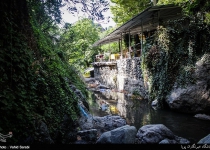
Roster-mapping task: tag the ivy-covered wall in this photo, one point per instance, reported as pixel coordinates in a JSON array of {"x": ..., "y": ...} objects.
[
  {"x": 169, "y": 57},
  {"x": 35, "y": 78}
]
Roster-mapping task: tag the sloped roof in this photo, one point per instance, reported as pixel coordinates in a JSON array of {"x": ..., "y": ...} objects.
[{"x": 147, "y": 18}]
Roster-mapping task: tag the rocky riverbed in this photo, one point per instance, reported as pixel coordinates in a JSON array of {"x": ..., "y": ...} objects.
[
  {"x": 114, "y": 129},
  {"x": 108, "y": 129}
]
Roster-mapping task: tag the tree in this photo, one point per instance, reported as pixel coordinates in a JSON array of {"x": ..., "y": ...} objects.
[
  {"x": 124, "y": 10},
  {"x": 35, "y": 75},
  {"x": 110, "y": 47},
  {"x": 93, "y": 8},
  {"x": 77, "y": 41},
  {"x": 192, "y": 7}
]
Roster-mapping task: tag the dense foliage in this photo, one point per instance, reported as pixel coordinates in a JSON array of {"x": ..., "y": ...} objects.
[
  {"x": 35, "y": 71},
  {"x": 199, "y": 8},
  {"x": 112, "y": 47},
  {"x": 124, "y": 10},
  {"x": 92, "y": 9},
  {"x": 77, "y": 41},
  {"x": 169, "y": 56}
]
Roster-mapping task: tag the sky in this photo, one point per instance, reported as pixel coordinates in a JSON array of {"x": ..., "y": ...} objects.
[{"x": 70, "y": 18}]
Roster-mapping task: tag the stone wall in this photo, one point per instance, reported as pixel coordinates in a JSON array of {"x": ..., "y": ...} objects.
[
  {"x": 105, "y": 73},
  {"x": 129, "y": 77},
  {"x": 123, "y": 75}
]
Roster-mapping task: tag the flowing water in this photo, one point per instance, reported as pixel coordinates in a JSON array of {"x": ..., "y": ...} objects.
[{"x": 138, "y": 113}]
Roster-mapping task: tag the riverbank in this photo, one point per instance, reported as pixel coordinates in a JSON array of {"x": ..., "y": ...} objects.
[{"x": 138, "y": 113}]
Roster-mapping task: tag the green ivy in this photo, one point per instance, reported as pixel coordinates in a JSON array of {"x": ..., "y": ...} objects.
[
  {"x": 169, "y": 56},
  {"x": 34, "y": 81}
]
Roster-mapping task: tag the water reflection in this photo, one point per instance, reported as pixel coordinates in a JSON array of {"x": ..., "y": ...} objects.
[{"x": 138, "y": 113}]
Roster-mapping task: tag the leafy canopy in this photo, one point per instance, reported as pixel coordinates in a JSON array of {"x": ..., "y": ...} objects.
[
  {"x": 123, "y": 10},
  {"x": 77, "y": 40}
]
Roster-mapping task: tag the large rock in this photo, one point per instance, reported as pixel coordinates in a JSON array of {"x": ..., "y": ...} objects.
[
  {"x": 122, "y": 135},
  {"x": 43, "y": 134},
  {"x": 194, "y": 98},
  {"x": 205, "y": 140},
  {"x": 158, "y": 134},
  {"x": 66, "y": 133},
  {"x": 40, "y": 136},
  {"x": 202, "y": 116},
  {"x": 102, "y": 124},
  {"x": 87, "y": 136},
  {"x": 108, "y": 123}
]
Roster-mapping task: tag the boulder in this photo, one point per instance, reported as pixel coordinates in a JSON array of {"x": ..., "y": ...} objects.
[
  {"x": 194, "y": 98},
  {"x": 205, "y": 140},
  {"x": 108, "y": 123},
  {"x": 66, "y": 133},
  {"x": 40, "y": 136},
  {"x": 158, "y": 134},
  {"x": 102, "y": 124},
  {"x": 202, "y": 116},
  {"x": 43, "y": 134},
  {"x": 87, "y": 136},
  {"x": 85, "y": 123},
  {"x": 167, "y": 141},
  {"x": 122, "y": 135},
  {"x": 177, "y": 140}
]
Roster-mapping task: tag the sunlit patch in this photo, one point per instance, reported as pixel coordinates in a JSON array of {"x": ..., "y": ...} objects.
[{"x": 113, "y": 109}]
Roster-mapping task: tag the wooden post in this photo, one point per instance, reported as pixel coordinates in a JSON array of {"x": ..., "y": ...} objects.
[
  {"x": 158, "y": 18},
  {"x": 121, "y": 47},
  {"x": 141, "y": 38},
  {"x": 109, "y": 44},
  {"x": 109, "y": 51},
  {"x": 129, "y": 45}
]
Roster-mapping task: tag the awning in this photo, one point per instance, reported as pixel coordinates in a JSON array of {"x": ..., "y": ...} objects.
[{"x": 149, "y": 19}]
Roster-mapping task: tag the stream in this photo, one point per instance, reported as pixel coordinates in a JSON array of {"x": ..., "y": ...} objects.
[{"x": 138, "y": 113}]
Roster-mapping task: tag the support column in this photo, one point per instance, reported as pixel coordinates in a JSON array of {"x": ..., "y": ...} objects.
[
  {"x": 109, "y": 51},
  {"x": 141, "y": 38},
  {"x": 158, "y": 18},
  {"x": 121, "y": 47},
  {"x": 129, "y": 45}
]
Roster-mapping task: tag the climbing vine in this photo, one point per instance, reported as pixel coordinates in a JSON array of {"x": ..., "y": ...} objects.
[
  {"x": 35, "y": 76},
  {"x": 169, "y": 56}
]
